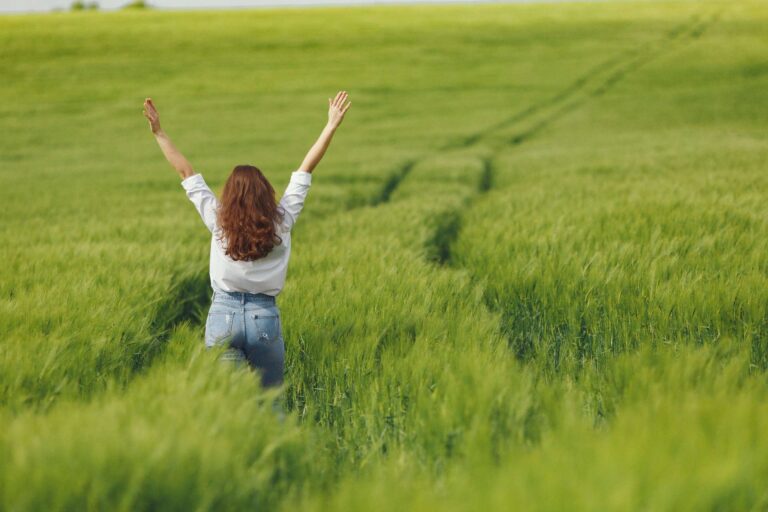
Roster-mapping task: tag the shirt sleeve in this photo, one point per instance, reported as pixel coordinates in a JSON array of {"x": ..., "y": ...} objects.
[
  {"x": 293, "y": 198},
  {"x": 203, "y": 198}
]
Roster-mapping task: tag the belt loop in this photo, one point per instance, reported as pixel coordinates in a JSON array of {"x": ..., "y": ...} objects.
[{"x": 242, "y": 298}]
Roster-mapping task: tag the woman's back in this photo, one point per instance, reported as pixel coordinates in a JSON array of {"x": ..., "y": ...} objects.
[{"x": 263, "y": 275}]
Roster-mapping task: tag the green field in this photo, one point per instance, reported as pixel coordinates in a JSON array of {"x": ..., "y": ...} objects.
[{"x": 532, "y": 272}]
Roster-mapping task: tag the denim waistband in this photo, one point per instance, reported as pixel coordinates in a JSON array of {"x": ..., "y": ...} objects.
[{"x": 244, "y": 297}]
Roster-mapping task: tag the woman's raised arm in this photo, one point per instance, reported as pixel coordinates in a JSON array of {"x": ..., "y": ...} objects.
[
  {"x": 337, "y": 107},
  {"x": 173, "y": 155}
]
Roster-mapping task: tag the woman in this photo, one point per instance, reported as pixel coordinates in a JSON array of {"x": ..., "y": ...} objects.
[{"x": 250, "y": 247}]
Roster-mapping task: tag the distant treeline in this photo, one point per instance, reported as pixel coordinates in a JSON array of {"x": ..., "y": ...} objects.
[{"x": 79, "y": 5}]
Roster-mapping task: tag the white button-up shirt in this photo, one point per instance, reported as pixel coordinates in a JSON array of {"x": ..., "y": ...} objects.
[{"x": 264, "y": 275}]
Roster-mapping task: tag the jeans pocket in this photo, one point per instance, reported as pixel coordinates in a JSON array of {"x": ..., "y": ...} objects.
[
  {"x": 218, "y": 327},
  {"x": 262, "y": 326}
]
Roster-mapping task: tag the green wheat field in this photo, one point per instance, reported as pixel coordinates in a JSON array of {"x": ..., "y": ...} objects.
[{"x": 531, "y": 274}]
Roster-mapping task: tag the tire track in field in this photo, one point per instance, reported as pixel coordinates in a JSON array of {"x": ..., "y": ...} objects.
[
  {"x": 607, "y": 73},
  {"x": 585, "y": 89},
  {"x": 393, "y": 182},
  {"x": 448, "y": 224},
  {"x": 397, "y": 176},
  {"x": 532, "y": 110},
  {"x": 681, "y": 35}
]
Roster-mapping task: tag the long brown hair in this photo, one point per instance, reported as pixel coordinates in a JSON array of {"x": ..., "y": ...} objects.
[{"x": 248, "y": 214}]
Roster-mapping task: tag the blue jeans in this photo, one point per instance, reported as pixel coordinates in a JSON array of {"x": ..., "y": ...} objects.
[{"x": 249, "y": 325}]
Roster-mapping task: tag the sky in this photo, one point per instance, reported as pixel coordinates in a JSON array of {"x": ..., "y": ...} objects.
[{"x": 20, "y": 6}]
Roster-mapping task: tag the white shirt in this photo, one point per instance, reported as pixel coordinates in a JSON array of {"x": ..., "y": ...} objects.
[{"x": 267, "y": 274}]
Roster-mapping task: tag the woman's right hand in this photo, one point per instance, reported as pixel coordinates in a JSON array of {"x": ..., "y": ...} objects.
[
  {"x": 337, "y": 107},
  {"x": 150, "y": 112}
]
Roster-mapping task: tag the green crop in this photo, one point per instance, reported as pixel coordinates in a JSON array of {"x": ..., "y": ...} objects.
[{"x": 532, "y": 272}]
